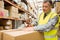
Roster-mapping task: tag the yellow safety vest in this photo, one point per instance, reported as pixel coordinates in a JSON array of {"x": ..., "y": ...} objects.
[
  {"x": 59, "y": 18},
  {"x": 51, "y": 35}
]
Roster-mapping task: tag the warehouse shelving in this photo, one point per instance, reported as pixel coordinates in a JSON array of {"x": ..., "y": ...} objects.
[
  {"x": 12, "y": 18},
  {"x": 19, "y": 7},
  {"x": 6, "y": 18}
]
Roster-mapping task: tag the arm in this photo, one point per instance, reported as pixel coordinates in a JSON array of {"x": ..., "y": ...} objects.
[
  {"x": 35, "y": 22},
  {"x": 48, "y": 26}
]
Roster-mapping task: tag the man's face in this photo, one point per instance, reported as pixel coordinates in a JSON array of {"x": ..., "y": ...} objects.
[{"x": 46, "y": 7}]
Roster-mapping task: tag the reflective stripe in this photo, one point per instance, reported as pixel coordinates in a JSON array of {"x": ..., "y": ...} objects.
[{"x": 50, "y": 36}]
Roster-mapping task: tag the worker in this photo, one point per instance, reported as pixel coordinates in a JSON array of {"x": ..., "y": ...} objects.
[
  {"x": 48, "y": 22},
  {"x": 59, "y": 19}
]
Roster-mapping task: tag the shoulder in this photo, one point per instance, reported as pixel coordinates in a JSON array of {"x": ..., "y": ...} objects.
[{"x": 54, "y": 14}]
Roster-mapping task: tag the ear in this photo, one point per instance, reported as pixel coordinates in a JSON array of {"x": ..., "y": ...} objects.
[{"x": 51, "y": 6}]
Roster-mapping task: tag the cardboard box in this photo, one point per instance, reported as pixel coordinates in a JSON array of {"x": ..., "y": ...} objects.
[
  {"x": 1, "y": 27},
  {"x": 1, "y": 4},
  {"x": 8, "y": 27},
  {"x": 1, "y": 35},
  {"x": 58, "y": 7},
  {"x": 1, "y": 32},
  {"x": 6, "y": 13},
  {"x": 17, "y": 16},
  {"x": 8, "y": 24},
  {"x": 1, "y": 12},
  {"x": 1, "y": 9},
  {"x": 22, "y": 35},
  {"x": 14, "y": 15},
  {"x": 12, "y": 11}
]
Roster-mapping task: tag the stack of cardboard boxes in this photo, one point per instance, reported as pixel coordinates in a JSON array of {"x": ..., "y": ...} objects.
[
  {"x": 3, "y": 12},
  {"x": 10, "y": 11}
]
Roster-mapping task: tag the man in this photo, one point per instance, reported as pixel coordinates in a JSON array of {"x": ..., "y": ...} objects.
[{"x": 48, "y": 22}]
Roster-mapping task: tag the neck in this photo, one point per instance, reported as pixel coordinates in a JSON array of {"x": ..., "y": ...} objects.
[{"x": 48, "y": 12}]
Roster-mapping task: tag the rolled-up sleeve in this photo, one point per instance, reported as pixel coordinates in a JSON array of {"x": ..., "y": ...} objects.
[{"x": 48, "y": 26}]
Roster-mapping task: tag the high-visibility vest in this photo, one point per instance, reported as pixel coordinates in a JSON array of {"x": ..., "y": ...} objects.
[
  {"x": 52, "y": 34},
  {"x": 59, "y": 18},
  {"x": 59, "y": 21}
]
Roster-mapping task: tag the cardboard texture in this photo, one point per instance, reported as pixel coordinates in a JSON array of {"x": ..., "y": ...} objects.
[
  {"x": 1, "y": 27},
  {"x": 23, "y": 35},
  {"x": 6, "y": 13},
  {"x": 1, "y": 12},
  {"x": 1, "y": 35},
  {"x": 1, "y": 4},
  {"x": 58, "y": 7},
  {"x": 1, "y": 9},
  {"x": 12, "y": 10},
  {"x": 1, "y": 32}
]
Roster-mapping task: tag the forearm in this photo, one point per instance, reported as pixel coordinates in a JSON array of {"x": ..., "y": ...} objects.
[{"x": 48, "y": 26}]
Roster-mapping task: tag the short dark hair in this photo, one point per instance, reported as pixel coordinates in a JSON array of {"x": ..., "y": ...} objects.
[{"x": 49, "y": 2}]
